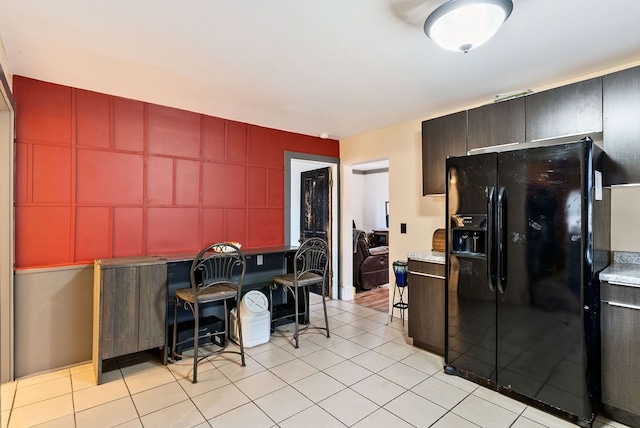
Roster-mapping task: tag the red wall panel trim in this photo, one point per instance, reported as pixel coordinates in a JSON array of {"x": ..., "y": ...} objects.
[
  {"x": 109, "y": 177},
  {"x": 258, "y": 188},
  {"x": 159, "y": 183},
  {"x": 92, "y": 119},
  {"x": 51, "y": 174},
  {"x": 103, "y": 176},
  {"x": 172, "y": 230},
  {"x": 42, "y": 236},
  {"x": 173, "y": 132},
  {"x": 44, "y": 111},
  {"x": 93, "y": 226},
  {"x": 265, "y": 227},
  {"x": 213, "y": 226},
  {"x": 128, "y": 125},
  {"x": 213, "y": 138},
  {"x": 127, "y": 232},
  {"x": 224, "y": 185},
  {"x": 187, "y": 182}
]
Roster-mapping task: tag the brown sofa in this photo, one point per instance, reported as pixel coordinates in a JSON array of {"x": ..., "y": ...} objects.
[{"x": 370, "y": 265}]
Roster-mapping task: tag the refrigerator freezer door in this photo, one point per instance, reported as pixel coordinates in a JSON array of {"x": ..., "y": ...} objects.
[
  {"x": 471, "y": 304},
  {"x": 540, "y": 322}
]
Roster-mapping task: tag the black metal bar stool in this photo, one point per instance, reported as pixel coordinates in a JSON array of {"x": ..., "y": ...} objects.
[
  {"x": 217, "y": 274},
  {"x": 311, "y": 264}
]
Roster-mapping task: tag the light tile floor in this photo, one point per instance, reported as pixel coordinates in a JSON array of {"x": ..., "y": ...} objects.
[{"x": 366, "y": 375}]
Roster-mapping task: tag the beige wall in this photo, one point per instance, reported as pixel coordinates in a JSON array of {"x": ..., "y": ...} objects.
[
  {"x": 401, "y": 145},
  {"x": 53, "y": 318},
  {"x": 625, "y": 209}
]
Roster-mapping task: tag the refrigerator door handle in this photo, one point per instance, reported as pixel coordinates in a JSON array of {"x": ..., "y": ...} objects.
[
  {"x": 501, "y": 256},
  {"x": 491, "y": 273}
]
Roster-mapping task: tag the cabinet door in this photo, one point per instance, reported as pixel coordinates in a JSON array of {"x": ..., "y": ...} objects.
[
  {"x": 152, "y": 306},
  {"x": 620, "y": 362},
  {"x": 441, "y": 137},
  {"x": 495, "y": 124},
  {"x": 119, "y": 324},
  {"x": 568, "y": 110},
  {"x": 426, "y": 306},
  {"x": 621, "y": 111}
]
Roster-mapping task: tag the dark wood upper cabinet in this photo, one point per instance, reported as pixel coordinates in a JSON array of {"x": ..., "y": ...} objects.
[
  {"x": 495, "y": 124},
  {"x": 441, "y": 137},
  {"x": 568, "y": 110},
  {"x": 621, "y": 112}
]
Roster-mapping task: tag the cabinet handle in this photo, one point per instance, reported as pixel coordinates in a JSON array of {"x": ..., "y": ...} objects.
[
  {"x": 624, "y": 284},
  {"x": 426, "y": 274},
  {"x": 624, "y": 305}
]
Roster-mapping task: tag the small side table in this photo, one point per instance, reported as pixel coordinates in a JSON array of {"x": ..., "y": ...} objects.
[{"x": 400, "y": 271}]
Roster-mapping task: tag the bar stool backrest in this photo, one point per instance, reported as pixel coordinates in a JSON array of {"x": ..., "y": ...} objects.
[
  {"x": 221, "y": 263},
  {"x": 313, "y": 257}
]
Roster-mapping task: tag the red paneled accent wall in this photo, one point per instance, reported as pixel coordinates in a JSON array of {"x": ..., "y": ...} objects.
[{"x": 101, "y": 176}]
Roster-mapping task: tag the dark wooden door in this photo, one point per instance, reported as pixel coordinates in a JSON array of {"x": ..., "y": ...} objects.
[
  {"x": 315, "y": 208},
  {"x": 315, "y": 201}
]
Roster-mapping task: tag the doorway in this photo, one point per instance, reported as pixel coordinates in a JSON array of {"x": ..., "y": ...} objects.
[
  {"x": 295, "y": 165},
  {"x": 370, "y": 210}
]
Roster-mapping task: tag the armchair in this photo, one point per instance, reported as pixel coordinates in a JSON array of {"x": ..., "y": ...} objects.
[{"x": 370, "y": 265}]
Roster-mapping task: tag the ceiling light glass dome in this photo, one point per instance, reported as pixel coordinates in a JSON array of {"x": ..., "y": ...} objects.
[{"x": 461, "y": 25}]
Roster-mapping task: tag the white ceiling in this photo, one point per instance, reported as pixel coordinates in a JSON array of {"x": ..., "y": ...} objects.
[
  {"x": 340, "y": 67},
  {"x": 372, "y": 166}
]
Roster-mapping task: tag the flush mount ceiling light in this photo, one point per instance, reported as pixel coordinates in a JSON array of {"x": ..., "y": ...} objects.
[{"x": 461, "y": 25}]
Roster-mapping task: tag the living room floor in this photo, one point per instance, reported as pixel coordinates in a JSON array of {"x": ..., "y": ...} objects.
[
  {"x": 366, "y": 375},
  {"x": 376, "y": 298}
]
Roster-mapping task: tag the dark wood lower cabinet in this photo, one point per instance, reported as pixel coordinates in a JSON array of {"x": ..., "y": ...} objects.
[
  {"x": 426, "y": 305},
  {"x": 129, "y": 307},
  {"x": 620, "y": 324}
]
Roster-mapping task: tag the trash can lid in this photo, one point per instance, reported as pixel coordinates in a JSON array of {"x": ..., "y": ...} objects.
[{"x": 255, "y": 302}]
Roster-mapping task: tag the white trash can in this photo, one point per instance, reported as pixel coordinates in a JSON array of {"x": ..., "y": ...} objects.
[{"x": 255, "y": 319}]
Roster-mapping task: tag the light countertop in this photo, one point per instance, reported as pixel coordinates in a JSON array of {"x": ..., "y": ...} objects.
[
  {"x": 427, "y": 256},
  {"x": 625, "y": 269}
]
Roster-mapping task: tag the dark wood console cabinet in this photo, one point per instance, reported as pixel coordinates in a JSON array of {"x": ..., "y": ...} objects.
[
  {"x": 426, "y": 305},
  {"x": 129, "y": 315}
]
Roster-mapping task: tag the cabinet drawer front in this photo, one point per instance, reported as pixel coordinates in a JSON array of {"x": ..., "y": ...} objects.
[
  {"x": 435, "y": 269},
  {"x": 620, "y": 293}
]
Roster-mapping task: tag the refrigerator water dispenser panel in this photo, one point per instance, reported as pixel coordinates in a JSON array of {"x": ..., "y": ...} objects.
[{"x": 469, "y": 234}]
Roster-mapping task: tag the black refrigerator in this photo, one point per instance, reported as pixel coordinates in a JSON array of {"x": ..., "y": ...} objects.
[{"x": 527, "y": 234}]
